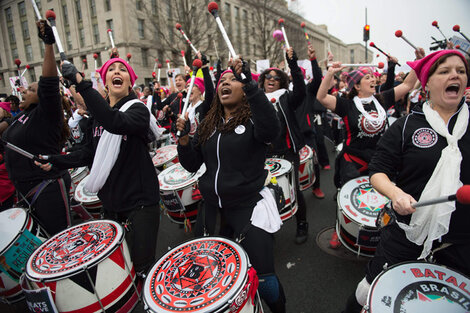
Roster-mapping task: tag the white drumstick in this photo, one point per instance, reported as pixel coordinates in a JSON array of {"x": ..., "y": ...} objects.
[{"x": 281, "y": 23}]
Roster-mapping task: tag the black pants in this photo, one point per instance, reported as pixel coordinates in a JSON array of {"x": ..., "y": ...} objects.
[
  {"x": 141, "y": 235},
  {"x": 49, "y": 207},
  {"x": 322, "y": 153}
]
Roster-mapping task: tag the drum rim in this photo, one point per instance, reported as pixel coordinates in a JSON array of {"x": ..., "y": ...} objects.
[
  {"x": 20, "y": 232},
  {"x": 235, "y": 288},
  {"x": 196, "y": 175},
  {"x": 82, "y": 183},
  {"x": 80, "y": 170},
  {"x": 375, "y": 281},
  {"x": 94, "y": 262},
  {"x": 175, "y": 147}
]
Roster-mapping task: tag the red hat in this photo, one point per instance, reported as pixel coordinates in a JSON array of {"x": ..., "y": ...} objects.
[
  {"x": 422, "y": 67},
  {"x": 5, "y": 106},
  {"x": 199, "y": 82},
  {"x": 108, "y": 63}
]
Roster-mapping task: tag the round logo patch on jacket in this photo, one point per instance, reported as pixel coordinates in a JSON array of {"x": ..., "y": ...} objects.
[
  {"x": 240, "y": 129},
  {"x": 424, "y": 137}
]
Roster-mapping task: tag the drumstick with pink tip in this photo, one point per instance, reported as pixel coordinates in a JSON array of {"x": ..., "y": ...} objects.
[
  {"x": 302, "y": 25},
  {"x": 281, "y": 23},
  {"x": 197, "y": 64},
  {"x": 25, "y": 69},
  {"x": 435, "y": 24},
  {"x": 50, "y": 16},
  {"x": 159, "y": 71},
  {"x": 459, "y": 48},
  {"x": 83, "y": 65},
  {"x": 95, "y": 57},
  {"x": 184, "y": 59},
  {"x": 155, "y": 65},
  {"x": 399, "y": 34},
  {"x": 456, "y": 28},
  {"x": 18, "y": 63},
  {"x": 180, "y": 28},
  {"x": 462, "y": 196},
  {"x": 168, "y": 64},
  {"x": 381, "y": 51},
  {"x": 129, "y": 56},
  {"x": 36, "y": 10}
]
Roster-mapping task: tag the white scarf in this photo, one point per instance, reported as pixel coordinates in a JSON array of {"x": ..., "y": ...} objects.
[
  {"x": 431, "y": 222},
  {"x": 376, "y": 121},
  {"x": 276, "y": 95},
  {"x": 107, "y": 152}
]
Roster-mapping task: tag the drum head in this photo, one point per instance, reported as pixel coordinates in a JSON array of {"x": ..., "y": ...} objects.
[
  {"x": 84, "y": 195},
  {"x": 200, "y": 275},
  {"x": 74, "y": 249},
  {"x": 419, "y": 287},
  {"x": 305, "y": 153},
  {"x": 12, "y": 222},
  {"x": 164, "y": 154},
  {"x": 176, "y": 177},
  {"x": 278, "y": 167},
  {"x": 360, "y": 201},
  {"x": 74, "y": 172}
]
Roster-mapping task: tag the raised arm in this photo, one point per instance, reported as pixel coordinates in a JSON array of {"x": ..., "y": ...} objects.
[
  {"x": 402, "y": 89},
  {"x": 328, "y": 101}
]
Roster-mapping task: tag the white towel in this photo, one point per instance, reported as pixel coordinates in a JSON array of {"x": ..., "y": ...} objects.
[{"x": 265, "y": 214}]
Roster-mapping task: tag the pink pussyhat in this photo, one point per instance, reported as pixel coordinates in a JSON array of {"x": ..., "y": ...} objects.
[
  {"x": 422, "y": 67},
  {"x": 199, "y": 82},
  {"x": 5, "y": 106},
  {"x": 108, "y": 63}
]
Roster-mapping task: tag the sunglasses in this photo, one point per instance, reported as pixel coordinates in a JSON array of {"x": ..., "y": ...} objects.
[{"x": 276, "y": 78}]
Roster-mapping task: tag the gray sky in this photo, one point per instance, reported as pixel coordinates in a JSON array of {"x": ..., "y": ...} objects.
[{"x": 346, "y": 18}]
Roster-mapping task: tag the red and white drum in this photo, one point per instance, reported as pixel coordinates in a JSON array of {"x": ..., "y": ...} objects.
[
  {"x": 306, "y": 172},
  {"x": 87, "y": 269},
  {"x": 282, "y": 170},
  {"x": 77, "y": 175},
  {"x": 209, "y": 274},
  {"x": 20, "y": 235},
  {"x": 419, "y": 287},
  {"x": 89, "y": 200},
  {"x": 165, "y": 156},
  {"x": 358, "y": 206},
  {"x": 177, "y": 192}
]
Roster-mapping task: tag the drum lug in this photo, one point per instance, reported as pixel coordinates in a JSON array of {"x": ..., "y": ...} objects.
[{"x": 385, "y": 267}]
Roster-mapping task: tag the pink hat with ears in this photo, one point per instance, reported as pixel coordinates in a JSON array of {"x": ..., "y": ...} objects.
[
  {"x": 108, "y": 63},
  {"x": 422, "y": 67},
  {"x": 199, "y": 82},
  {"x": 6, "y": 106}
]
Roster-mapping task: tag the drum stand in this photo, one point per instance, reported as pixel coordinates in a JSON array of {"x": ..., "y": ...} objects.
[{"x": 94, "y": 289}]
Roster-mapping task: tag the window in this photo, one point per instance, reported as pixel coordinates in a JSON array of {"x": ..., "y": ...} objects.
[
  {"x": 109, "y": 24},
  {"x": 139, "y": 5},
  {"x": 245, "y": 19},
  {"x": 81, "y": 34},
  {"x": 8, "y": 15},
  {"x": 14, "y": 53},
  {"x": 29, "y": 52},
  {"x": 78, "y": 10},
  {"x": 92, "y": 8},
  {"x": 11, "y": 35},
  {"x": 154, "y": 7},
  {"x": 236, "y": 26},
  {"x": 145, "y": 61},
  {"x": 107, "y": 5},
  {"x": 24, "y": 27},
  {"x": 2, "y": 80},
  {"x": 171, "y": 33},
  {"x": 22, "y": 8},
  {"x": 65, "y": 13},
  {"x": 351, "y": 53},
  {"x": 228, "y": 18},
  {"x": 32, "y": 74},
  {"x": 68, "y": 39},
  {"x": 96, "y": 34},
  {"x": 140, "y": 28},
  {"x": 168, "y": 8}
]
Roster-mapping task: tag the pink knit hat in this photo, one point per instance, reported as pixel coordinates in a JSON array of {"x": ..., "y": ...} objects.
[
  {"x": 199, "y": 82},
  {"x": 422, "y": 67},
  {"x": 5, "y": 106},
  {"x": 223, "y": 73},
  {"x": 108, "y": 63}
]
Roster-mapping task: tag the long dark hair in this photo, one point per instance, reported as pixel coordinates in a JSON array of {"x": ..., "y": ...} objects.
[{"x": 213, "y": 119}]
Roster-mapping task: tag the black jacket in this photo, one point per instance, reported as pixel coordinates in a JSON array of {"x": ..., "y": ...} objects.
[
  {"x": 235, "y": 160},
  {"x": 133, "y": 181}
]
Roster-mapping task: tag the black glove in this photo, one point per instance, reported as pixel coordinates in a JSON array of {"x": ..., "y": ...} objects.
[
  {"x": 69, "y": 71},
  {"x": 170, "y": 74},
  {"x": 294, "y": 57},
  {"x": 66, "y": 83},
  {"x": 48, "y": 35},
  {"x": 185, "y": 131},
  {"x": 204, "y": 59},
  {"x": 245, "y": 76}
]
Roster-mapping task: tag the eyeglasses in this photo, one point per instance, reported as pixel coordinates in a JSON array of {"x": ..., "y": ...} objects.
[{"x": 269, "y": 76}]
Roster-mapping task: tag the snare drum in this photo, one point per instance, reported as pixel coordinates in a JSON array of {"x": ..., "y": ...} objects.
[
  {"x": 282, "y": 170},
  {"x": 419, "y": 287},
  {"x": 89, "y": 200},
  {"x": 209, "y": 274},
  {"x": 306, "y": 172},
  {"x": 358, "y": 206},
  {"x": 77, "y": 175},
  {"x": 165, "y": 157},
  {"x": 20, "y": 235},
  {"x": 176, "y": 192},
  {"x": 87, "y": 268}
]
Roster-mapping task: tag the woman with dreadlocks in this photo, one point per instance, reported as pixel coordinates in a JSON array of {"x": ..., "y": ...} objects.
[{"x": 232, "y": 142}]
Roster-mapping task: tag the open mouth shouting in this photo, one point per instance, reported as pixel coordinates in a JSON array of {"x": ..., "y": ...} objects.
[
  {"x": 225, "y": 92},
  {"x": 117, "y": 82}
]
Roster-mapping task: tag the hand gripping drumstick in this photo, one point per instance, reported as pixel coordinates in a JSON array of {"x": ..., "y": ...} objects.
[
  {"x": 23, "y": 152},
  {"x": 462, "y": 196},
  {"x": 180, "y": 28},
  {"x": 456, "y": 28},
  {"x": 379, "y": 65},
  {"x": 110, "y": 33},
  {"x": 184, "y": 59},
  {"x": 36, "y": 10},
  {"x": 380, "y": 50},
  {"x": 197, "y": 64},
  {"x": 95, "y": 56},
  {"x": 281, "y": 23},
  {"x": 435, "y": 24},
  {"x": 302, "y": 25},
  {"x": 50, "y": 15},
  {"x": 399, "y": 34}
]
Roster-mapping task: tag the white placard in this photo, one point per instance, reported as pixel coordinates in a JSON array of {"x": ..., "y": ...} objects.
[
  {"x": 262, "y": 65},
  {"x": 464, "y": 45}
]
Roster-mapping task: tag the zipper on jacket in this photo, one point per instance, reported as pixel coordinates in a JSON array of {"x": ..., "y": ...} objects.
[
  {"x": 288, "y": 128},
  {"x": 218, "y": 169}
]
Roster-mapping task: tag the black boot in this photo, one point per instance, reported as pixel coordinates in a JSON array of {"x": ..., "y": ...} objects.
[
  {"x": 302, "y": 232},
  {"x": 352, "y": 306}
]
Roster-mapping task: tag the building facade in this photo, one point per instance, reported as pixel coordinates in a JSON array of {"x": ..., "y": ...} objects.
[{"x": 145, "y": 29}]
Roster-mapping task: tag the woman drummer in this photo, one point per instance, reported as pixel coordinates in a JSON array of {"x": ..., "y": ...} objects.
[
  {"x": 426, "y": 155},
  {"x": 122, "y": 171},
  {"x": 232, "y": 142}
]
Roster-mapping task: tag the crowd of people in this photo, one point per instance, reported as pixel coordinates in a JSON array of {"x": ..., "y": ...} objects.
[{"x": 409, "y": 134}]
